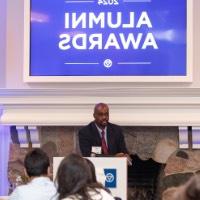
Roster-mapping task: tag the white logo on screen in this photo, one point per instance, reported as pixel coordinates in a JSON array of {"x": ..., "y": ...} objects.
[
  {"x": 109, "y": 178},
  {"x": 107, "y": 63}
]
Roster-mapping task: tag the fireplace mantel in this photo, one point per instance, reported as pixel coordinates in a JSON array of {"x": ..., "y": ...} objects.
[{"x": 74, "y": 107}]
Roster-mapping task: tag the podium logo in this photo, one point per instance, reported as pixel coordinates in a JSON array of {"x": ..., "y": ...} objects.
[{"x": 111, "y": 178}]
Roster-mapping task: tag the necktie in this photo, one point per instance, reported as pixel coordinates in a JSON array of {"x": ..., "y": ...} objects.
[{"x": 103, "y": 143}]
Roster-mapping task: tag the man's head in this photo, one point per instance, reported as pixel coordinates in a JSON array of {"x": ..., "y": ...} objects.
[
  {"x": 101, "y": 115},
  {"x": 36, "y": 163}
]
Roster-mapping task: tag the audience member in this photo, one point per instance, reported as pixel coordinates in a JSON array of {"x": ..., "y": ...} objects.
[
  {"x": 75, "y": 181},
  {"x": 40, "y": 187},
  {"x": 92, "y": 170}
]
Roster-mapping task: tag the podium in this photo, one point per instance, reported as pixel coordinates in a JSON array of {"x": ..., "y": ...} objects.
[{"x": 110, "y": 171}]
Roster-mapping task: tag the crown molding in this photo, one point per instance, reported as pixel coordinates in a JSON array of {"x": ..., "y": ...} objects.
[
  {"x": 115, "y": 90},
  {"x": 128, "y": 106}
]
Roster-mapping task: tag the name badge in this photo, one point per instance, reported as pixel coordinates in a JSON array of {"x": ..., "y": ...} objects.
[{"x": 96, "y": 150}]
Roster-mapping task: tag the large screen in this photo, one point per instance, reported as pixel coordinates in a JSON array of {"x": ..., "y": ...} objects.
[{"x": 108, "y": 39}]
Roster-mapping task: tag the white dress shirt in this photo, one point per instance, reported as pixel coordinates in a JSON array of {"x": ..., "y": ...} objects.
[
  {"x": 100, "y": 133},
  {"x": 41, "y": 188}
]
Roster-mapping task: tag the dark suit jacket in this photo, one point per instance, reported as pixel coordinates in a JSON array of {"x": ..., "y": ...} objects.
[{"x": 89, "y": 136}]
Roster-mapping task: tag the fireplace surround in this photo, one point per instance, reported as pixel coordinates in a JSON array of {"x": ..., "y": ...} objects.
[{"x": 156, "y": 124}]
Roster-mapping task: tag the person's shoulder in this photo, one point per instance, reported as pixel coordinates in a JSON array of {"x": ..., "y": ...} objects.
[
  {"x": 33, "y": 191},
  {"x": 105, "y": 195},
  {"x": 20, "y": 192},
  {"x": 115, "y": 127},
  {"x": 22, "y": 188},
  {"x": 87, "y": 127},
  {"x": 52, "y": 187}
]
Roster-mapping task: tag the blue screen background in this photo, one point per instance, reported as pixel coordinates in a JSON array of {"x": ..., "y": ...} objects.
[{"x": 169, "y": 19}]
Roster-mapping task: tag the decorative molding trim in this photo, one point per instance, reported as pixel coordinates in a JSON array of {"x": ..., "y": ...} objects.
[
  {"x": 183, "y": 137},
  {"x": 196, "y": 137},
  {"x": 128, "y": 106},
  {"x": 34, "y": 136},
  {"x": 22, "y": 136},
  {"x": 108, "y": 90}
]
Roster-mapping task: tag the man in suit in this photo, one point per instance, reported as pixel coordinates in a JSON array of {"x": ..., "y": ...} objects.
[{"x": 102, "y": 137}]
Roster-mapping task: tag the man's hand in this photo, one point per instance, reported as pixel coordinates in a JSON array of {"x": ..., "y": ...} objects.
[{"x": 120, "y": 155}]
